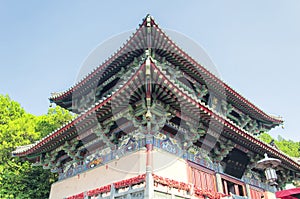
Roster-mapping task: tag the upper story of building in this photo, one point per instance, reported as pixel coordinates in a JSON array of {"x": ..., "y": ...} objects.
[{"x": 149, "y": 40}]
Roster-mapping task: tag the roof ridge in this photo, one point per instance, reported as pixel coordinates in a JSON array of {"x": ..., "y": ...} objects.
[
  {"x": 149, "y": 21},
  {"x": 219, "y": 80},
  {"x": 99, "y": 67}
]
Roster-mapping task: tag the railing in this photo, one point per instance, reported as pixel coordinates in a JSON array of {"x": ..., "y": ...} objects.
[
  {"x": 163, "y": 144},
  {"x": 134, "y": 188},
  {"x": 238, "y": 197},
  {"x": 79, "y": 167},
  {"x": 130, "y": 188}
]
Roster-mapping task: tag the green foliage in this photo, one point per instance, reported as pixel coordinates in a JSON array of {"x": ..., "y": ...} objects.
[
  {"x": 18, "y": 179},
  {"x": 17, "y": 132},
  {"x": 54, "y": 119},
  {"x": 289, "y": 147},
  {"x": 265, "y": 137},
  {"x": 9, "y": 110}
]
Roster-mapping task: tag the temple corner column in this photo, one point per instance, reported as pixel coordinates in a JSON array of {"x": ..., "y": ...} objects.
[{"x": 149, "y": 190}]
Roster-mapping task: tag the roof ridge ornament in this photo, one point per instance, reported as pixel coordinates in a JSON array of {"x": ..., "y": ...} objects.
[{"x": 148, "y": 20}]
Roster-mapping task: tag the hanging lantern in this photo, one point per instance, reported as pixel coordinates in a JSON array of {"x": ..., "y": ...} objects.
[
  {"x": 268, "y": 164},
  {"x": 271, "y": 176}
]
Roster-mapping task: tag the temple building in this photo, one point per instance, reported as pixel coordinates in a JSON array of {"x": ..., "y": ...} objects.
[{"x": 152, "y": 122}]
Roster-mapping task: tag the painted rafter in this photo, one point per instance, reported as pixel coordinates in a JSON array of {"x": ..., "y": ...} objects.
[
  {"x": 159, "y": 40},
  {"x": 185, "y": 98},
  {"x": 231, "y": 126}
]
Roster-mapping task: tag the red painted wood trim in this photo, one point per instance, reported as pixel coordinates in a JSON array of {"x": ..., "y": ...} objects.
[{"x": 206, "y": 110}]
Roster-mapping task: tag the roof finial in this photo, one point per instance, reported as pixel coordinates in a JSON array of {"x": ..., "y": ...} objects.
[{"x": 148, "y": 19}]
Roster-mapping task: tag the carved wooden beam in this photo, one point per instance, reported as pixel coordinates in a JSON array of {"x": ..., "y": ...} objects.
[
  {"x": 244, "y": 120},
  {"x": 201, "y": 92},
  {"x": 101, "y": 131},
  {"x": 193, "y": 135},
  {"x": 226, "y": 107},
  {"x": 71, "y": 150},
  {"x": 223, "y": 150},
  {"x": 253, "y": 159}
]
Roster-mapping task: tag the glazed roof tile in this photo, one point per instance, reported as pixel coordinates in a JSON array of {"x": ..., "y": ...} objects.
[
  {"x": 230, "y": 92},
  {"x": 168, "y": 82}
]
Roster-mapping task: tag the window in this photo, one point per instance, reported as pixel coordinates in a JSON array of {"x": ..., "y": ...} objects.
[
  {"x": 257, "y": 193},
  {"x": 233, "y": 186},
  {"x": 203, "y": 178}
]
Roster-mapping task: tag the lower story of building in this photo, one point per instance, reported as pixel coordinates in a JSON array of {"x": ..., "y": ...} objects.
[{"x": 157, "y": 174}]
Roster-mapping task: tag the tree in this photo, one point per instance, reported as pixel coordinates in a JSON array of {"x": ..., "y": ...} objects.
[
  {"x": 18, "y": 132},
  {"x": 54, "y": 119},
  {"x": 289, "y": 147},
  {"x": 9, "y": 110},
  {"x": 265, "y": 137},
  {"x": 18, "y": 179}
]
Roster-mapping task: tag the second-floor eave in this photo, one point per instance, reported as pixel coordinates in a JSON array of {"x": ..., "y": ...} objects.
[{"x": 63, "y": 132}]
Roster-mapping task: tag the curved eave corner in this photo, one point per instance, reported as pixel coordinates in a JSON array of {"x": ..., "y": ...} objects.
[
  {"x": 204, "y": 70},
  {"x": 149, "y": 20},
  {"x": 31, "y": 149},
  {"x": 234, "y": 128},
  {"x": 60, "y": 95}
]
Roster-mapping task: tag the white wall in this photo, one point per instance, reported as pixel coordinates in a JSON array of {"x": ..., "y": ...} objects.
[{"x": 124, "y": 168}]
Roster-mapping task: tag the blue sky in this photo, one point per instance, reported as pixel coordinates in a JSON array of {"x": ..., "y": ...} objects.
[{"x": 255, "y": 46}]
